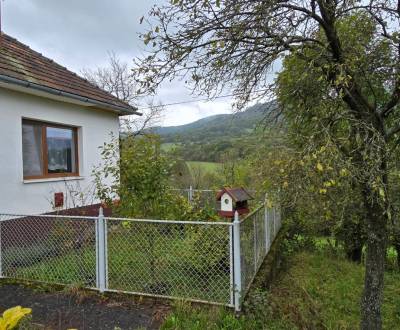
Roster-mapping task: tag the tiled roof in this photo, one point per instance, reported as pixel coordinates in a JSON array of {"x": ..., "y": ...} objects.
[
  {"x": 21, "y": 63},
  {"x": 237, "y": 194}
]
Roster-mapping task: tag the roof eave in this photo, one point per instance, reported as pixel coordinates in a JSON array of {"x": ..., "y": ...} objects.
[
  {"x": 229, "y": 192},
  {"x": 122, "y": 111}
]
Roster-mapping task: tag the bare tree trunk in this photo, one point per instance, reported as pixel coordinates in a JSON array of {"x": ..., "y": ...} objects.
[{"x": 371, "y": 318}]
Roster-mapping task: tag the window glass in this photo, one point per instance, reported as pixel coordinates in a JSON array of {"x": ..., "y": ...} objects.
[
  {"x": 60, "y": 150},
  {"x": 32, "y": 149}
]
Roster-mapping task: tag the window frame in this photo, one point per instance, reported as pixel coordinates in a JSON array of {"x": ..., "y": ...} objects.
[{"x": 46, "y": 175}]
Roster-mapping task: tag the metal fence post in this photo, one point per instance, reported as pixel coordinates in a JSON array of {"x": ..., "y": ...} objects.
[
  {"x": 274, "y": 211},
  {"x": 101, "y": 252},
  {"x": 279, "y": 218},
  {"x": 237, "y": 271},
  {"x": 231, "y": 269},
  {"x": 190, "y": 193},
  {"x": 255, "y": 242},
  {"x": 266, "y": 228}
]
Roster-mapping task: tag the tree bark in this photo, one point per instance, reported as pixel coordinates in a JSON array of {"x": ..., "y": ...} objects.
[{"x": 371, "y": 318}]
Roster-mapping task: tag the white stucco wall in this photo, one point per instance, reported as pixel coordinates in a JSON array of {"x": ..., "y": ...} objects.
[
  {"x": 94, "y": 128},
  {"x": 225, "y": 206}
]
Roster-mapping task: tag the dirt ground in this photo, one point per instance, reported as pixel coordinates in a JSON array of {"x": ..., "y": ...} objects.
[{"x": 75, "y": 309}]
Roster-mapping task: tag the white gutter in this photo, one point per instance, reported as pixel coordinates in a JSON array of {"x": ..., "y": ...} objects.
[{"x": 103, "y": 105}]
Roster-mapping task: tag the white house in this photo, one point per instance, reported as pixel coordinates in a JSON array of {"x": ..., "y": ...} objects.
[{"x": 52, "y": 123}]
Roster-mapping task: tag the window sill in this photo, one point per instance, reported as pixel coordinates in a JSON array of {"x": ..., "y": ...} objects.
[{"x": 59, "y": 179}]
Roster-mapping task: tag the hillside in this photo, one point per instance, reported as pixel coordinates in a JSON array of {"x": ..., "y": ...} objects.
[{"x": 217, "y": 126}]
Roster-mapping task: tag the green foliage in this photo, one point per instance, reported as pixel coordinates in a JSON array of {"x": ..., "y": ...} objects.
[
  {"x": 319, "y": 116},
  {"x": 312, "y": 185},
  {"x": 347, "y": 152},
  {"x": 135, "y": 171}
]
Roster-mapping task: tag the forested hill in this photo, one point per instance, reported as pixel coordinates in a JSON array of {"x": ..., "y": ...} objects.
[{"x": 217, "y": 126}]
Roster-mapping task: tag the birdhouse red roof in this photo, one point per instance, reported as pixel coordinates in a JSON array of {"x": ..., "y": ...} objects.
[{"x": 237, "y": 194}]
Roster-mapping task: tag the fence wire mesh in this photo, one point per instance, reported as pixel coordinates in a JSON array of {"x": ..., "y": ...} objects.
[
  {"x": 49, "y": 249},
  {"x": 204, "y": 197},
  {"x": 179, "y": 260},
  {"x": 257, "y": 232},
  {"x": 176, "y": 259}
]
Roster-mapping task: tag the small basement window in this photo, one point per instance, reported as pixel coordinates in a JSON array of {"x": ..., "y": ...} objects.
[{"x": 49, "y": 150}]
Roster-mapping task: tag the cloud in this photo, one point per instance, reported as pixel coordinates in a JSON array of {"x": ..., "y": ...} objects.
[
  {"x": 75, "y": 32},
  {"x": 79, "y": 34}
]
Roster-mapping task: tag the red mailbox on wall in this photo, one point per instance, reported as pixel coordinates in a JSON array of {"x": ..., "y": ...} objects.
[{"x": 58, "y": 199}]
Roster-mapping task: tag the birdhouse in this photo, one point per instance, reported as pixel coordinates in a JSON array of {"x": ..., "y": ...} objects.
[{"x": 232, "y": 200}]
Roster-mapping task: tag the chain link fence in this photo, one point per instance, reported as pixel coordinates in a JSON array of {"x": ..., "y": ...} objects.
[
  {"x": 212, "y": 262},
  {"x": 257, "y": 232},
  {"x": 48, "y": 249},
  {"x": 205, "y": 197}
]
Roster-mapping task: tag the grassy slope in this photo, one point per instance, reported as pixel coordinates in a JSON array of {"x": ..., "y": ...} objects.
[
  {"x": 316, "y": 292},
  {"x": 325, "y": 292},
  {"x": 204, "y": 166}
]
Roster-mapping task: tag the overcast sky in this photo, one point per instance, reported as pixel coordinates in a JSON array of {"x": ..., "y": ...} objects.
[{"x": 79, "y": 34}]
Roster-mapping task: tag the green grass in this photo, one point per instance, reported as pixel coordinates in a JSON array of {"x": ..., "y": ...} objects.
[
  {"x": 203, "y": 166},
  {"x": 186, "y": 317},
  {"x": 316, "y": 292}
]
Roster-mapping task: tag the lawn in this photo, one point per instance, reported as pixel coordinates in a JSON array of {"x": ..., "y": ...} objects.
[{"x": 317, "y": 291}]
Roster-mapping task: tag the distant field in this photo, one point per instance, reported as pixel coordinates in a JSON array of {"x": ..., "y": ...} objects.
[
  {"x": 168, "y": 146},
  {"x": 204, "y": 166}
]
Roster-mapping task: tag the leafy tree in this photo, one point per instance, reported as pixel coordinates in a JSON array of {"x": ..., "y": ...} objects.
[
  {"x": 134, "y": 178},
  {"x": 316, "y": 192},
  {"x": 233, "y": 44},
  {"x": 137, "y": 173}
]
